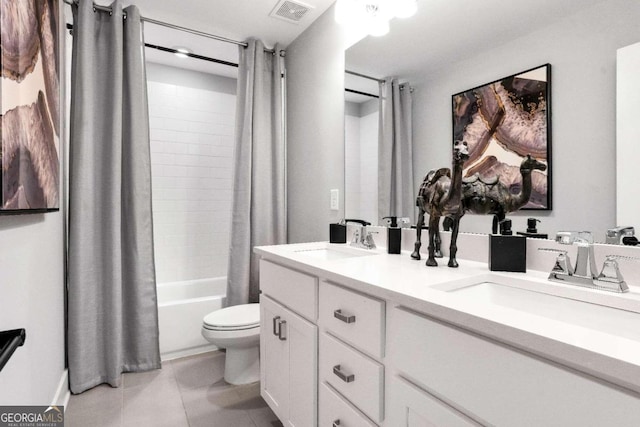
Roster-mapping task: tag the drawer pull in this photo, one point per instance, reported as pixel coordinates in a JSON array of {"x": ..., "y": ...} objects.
[
  {"x": 346, "y": 319},
  {"x": 276, "y": 324},
  {"x": 344, "y": 377},
  {"x": 281, "y": 335},
  {"x": 336, "y": 423}
]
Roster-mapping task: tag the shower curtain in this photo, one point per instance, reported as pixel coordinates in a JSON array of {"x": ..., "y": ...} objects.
[
  {"x": 259, "y": 204},
  {"x": 396, "y": 195},
  {"x": 112, "y": 310}
]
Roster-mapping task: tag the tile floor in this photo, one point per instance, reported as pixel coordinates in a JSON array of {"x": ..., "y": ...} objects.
[{"x": 187, "y": 392}]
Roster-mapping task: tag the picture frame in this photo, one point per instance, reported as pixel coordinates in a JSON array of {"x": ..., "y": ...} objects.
[
  {"x": 502, "y": 122},
  {"x": 31, "y": 110}
]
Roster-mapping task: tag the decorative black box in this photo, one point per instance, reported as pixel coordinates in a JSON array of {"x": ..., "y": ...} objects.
[
  {"x": 337, "y": 233},
  {"x": 508, "y": 253}
]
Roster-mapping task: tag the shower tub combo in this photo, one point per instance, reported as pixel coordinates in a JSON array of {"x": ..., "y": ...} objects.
[{"x": 181, "y": 308}]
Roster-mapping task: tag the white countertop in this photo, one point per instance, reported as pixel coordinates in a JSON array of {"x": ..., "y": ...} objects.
[{"x": 409, "y": 283}]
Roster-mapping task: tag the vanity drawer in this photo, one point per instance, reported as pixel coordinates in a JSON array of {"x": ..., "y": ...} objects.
[
  {"x": 357, "y": 377},
  {"x": 295, "y": 290},
  {"x": 354, "y": 317},
  {"x": 335, "y": 411},
  {"x": 496, "y": 384}
]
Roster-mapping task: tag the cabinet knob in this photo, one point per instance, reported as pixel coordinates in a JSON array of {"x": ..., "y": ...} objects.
[
  {"x": 345, "y": 318},
  {"x": 336, "y": 423},
  {"x": 347, "y": 378}
]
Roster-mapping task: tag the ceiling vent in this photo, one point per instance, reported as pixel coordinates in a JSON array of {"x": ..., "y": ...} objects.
[{"x": 290, "y": 11}]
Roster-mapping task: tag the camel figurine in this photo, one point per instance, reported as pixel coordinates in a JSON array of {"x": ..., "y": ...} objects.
[
  {"x": 485, "y": 197},
  {"x": 491, "y": 197},
  {"x": 440, "y": 195}
]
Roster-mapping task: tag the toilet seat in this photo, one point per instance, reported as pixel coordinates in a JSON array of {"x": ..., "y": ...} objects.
[{"x": 235, "y": 318}]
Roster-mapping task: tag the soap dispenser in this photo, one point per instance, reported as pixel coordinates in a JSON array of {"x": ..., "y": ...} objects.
[
  {"x": 394, "y": 235},
  {"x": 532, "y": 230}
]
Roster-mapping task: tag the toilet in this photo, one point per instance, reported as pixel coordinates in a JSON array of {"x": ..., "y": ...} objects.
[{"x": 237, "y": 329}]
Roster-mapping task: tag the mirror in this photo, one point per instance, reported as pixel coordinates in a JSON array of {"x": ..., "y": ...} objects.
[
  {"x": 447, "y": 48},
  {"x": 361, "y": 148},
  {"x": 628, "y": 135}
]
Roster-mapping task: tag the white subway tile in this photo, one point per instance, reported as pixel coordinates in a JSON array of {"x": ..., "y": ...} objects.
[
  {"x": 227, "y": 140},
  {"x": 176, "y": 147},
  {"x": 176, "y": 171},
  {"x": 192, "y": 145},
  {"x": 208, "y": 139},
  {"x": 224, "y": 173}
]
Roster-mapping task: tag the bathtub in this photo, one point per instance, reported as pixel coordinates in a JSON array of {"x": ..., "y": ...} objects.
[{"x": 181, "y": 308}]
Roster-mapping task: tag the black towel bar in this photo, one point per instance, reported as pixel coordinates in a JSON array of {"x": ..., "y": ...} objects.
[{"x": 9, "y": 342}]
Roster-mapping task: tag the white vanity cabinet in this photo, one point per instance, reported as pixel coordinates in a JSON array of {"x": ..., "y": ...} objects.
[
  {"x": 288, "y": 344},
  {"x": 337, "y": 351},
  {"x": 494, "y": 384}
]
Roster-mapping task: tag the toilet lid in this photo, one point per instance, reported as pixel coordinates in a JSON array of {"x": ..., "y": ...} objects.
[{"x": 237, "y": 317}]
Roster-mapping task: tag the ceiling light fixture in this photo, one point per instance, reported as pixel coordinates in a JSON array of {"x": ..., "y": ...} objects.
[
  {"x": 373, "y": 16},
  {"x": 181, "y": 52}
]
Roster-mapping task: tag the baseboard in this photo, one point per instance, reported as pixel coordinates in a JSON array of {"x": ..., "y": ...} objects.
[
  {"x": 188, "y": 352},
  {"x": 61, "y": 398}
]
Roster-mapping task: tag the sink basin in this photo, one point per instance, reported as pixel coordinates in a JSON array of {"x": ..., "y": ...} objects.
[
  {"x": 612, "y": 314},
  {"x": 334, "y": 253}
]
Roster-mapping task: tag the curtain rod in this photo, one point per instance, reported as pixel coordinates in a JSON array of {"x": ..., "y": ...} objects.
[
  {"x": 191, "y": 55},
  {"x": 353, "y": 73},
  {"x": 170, "y": 50},
  {"x": 176, "y": 27},
  {"x": 357, "y": 92}
]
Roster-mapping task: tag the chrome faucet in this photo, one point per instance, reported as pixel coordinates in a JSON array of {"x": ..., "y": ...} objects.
[
  {"x": 363, "y": 238},
  {"x": 616, "y": 235},
  {"x": 585, "y": 272}
]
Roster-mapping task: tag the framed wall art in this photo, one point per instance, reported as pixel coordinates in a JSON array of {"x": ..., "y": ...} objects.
[
  {"x": 503, "y": 122},
  {"x": 30, "y": 89}
]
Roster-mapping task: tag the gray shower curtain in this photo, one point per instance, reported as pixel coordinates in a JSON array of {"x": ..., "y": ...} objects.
[
  {"x": 396, "y": 195},
  {"x": 259, "y": 204},
  {"x": 112, "y": 310}
]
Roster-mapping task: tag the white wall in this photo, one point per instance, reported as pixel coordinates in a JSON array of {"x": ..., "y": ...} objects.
[
  {"x": 582, "y": 52},
  {"x": 192, "y": 120},
  {"x": 32, "y": 297},
  {"x": 32, "y": 292},
  {"x": 315, "y": 128}
]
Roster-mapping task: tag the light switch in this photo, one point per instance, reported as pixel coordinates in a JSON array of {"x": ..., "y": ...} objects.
[{"x": 335, "y": 199}]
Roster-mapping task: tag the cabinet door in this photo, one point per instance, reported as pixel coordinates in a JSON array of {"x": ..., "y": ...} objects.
[
  {"x": 274, "y": 359},
  {"x": 412, "y": 407},
  {"x": 288, "y": 370},
  {"x": 303, "y": 370}
]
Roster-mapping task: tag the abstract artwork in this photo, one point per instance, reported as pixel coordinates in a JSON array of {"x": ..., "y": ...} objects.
[
  {"x": 503, "y": 122},
  {"x": 30, "y": 130}
]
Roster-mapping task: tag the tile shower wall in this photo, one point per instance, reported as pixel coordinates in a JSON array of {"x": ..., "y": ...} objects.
[
  {"x": 192, "y": 128},
  {"x": 361, "y": 161}
]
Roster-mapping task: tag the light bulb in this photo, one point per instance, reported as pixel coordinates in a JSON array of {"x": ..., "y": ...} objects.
[{"x": 181, "y": 52}]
